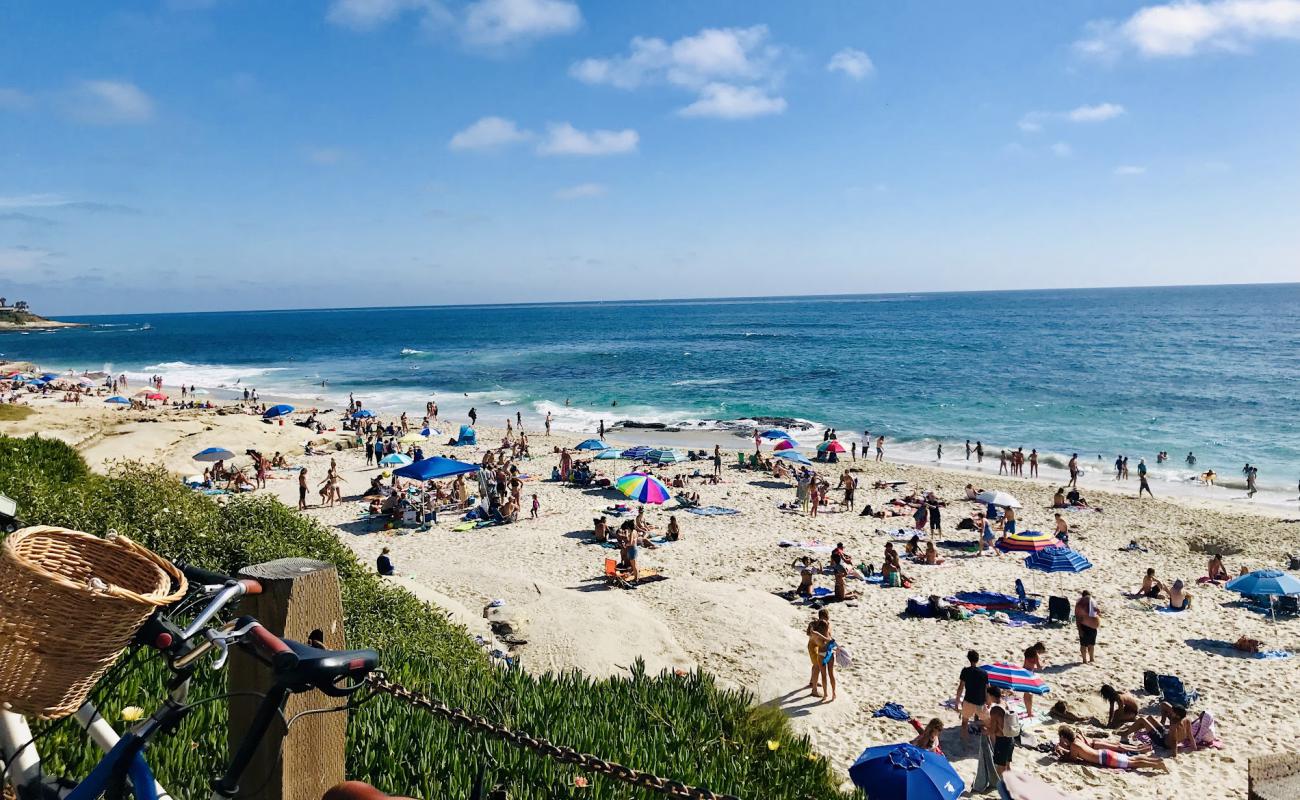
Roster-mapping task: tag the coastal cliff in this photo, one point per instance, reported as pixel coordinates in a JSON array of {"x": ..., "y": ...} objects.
[{"x": 15, "y": 320}]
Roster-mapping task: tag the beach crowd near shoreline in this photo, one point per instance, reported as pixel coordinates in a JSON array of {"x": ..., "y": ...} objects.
[{"x": 880, "y": 578}]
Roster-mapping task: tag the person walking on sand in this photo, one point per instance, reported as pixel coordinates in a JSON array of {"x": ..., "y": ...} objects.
[
  {"x": 880, "y": 448},
  {"x": 938, "y": 452},
  {"x": 1073, "y": 467},
  {"x": 1143, "y": 486},
  {"x": 1251, "y": 472},
  {"x": 537, "y": 508},
  {"x": 302, "y": 489},
  {"x": 853, "y": 451},
  {"x": 972, "y": 690},
  {"x": 1087, "y": 618}
]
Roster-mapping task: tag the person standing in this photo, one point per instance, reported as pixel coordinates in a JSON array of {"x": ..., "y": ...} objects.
[
  {"x": 717, "y": 459},
  {"x": 1087, "y": 618},
  {"x": 548, "y": 424},
  {"x": 972, "y": 690},
  {"x": 968, "y": 449},
  {"x": 853, "y": 450},
  {"x": 938, "y": 452},
  {"x": 880, "y": 448},
  {"x": 1251, "y": 472},
  {"x": 1033, "y": 463},
  {"x": 932, "y": 504},
  {"x": 1143, "y": 486},
  {"x": 1073, "y": 466},
  {"x": 302, "y": 489},
  {"x": 979, "y": 452},
  {"x": 369, "y": 447},
  {"x": 600, "y": 431},
  {"x": 473, "y": 416}
]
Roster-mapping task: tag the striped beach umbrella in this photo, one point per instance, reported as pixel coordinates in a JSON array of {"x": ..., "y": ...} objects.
[
  {"x": 1017, "y": 679},
  {"x": 830, "y": 446},
  {"x": 642, "y": 488},
  {"x": 1027, "y": 541},
  {"x": 636, "y": 453},
  {"x": 785, "y": 444},
  {"x": 1058, "y": 559},
  {"x": 666, "y": 455}
]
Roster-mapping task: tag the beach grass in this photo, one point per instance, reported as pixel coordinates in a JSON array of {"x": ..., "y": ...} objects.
[
  {"x": 680, "y": 726},
  {"x": 12, "y": 413}
]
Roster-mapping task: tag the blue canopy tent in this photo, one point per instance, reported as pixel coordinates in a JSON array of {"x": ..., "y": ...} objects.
[
  {"x": 429, "y": 469},
  {"x": 277, "y": 411},
  {"x": 467, "y": 436},
  {"x": 591, "y": 444}
]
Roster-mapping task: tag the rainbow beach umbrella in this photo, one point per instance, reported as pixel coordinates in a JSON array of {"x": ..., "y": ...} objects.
[
  {"x": 1027, "y": 541},
  {"x": 1017, "y": 679},
  {"x": 642, "y": 488}
]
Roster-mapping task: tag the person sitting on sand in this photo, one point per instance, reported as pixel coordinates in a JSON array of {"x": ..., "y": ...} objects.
[
  {"x": 892, "y": 570},
  {"x": 1122, "y": 706},
  {"x": 840, "y": 571},
  {"x": 279, "y": 461},
  {"x": 1151, "y": 587},
  {"x": 913, "y": 546},
  {"x": 1058, "y": 499},
  {"x": 931, "y": 554},
  {"x": 1216, "y": 570},
  {"x": 928, "y": 735},
  {"x": 1061, "y": 712},
  {"x": 1074, "y": 746},
  {"x": 600, "y": 529},
  {"x": 641, "y": 524},
  {"x": 1075, "y": 499},
  {"x": 971, "y": 492},
  {"x": 1179, "y": 598},
  {"x": 1172, "y": 728},
  {"x": 384, "y": 564}
]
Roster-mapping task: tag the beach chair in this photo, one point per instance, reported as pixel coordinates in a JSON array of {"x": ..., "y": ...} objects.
[
  {"x": 1058, "y": 610},
  {"x": 1027, "y": 603},
  {"x": 1172, "y": 691},
  {"x": 1287, "y": 606}
]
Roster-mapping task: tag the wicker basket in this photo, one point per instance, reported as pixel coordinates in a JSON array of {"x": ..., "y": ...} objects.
[{"x": 69, "y": 604}]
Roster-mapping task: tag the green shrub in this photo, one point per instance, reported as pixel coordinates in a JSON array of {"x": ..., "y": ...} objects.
[{"x": 678, "y": 726}]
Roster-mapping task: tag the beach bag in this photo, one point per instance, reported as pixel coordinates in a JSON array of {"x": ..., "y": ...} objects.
[
  {"x": 70, "y": 604},
  {"x": 843, "y": 658},
  {"x": 1204, "y": 731},
  {"x": 1150, "y": 683}
]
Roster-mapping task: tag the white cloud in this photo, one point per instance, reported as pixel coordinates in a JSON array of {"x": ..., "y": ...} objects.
[
  {"x": 724, "y": 101},
  {"x": 735, "y": 71},
  {"x": 499, "y": 22},
  {"x": 13, "y": 99},
  {"x": 738, "y": 55},
  {"x": 1186, "y": 28},
  {"x": 1062, "y": 150},
  {"x": 21, "y": 258},
  {"x": 1129, "y": 170},
  {"x": 325, "y": 156},
  {"x": 106, "y": 102},
  {"x": 580, "y": 191},
  {"x": 482, "y": 23},
  {"x": 854, "y": 63},
  {"x": 489, "y": 133},
  {"x": 1098, "y": 113},
  {"x": 365, "y": 15},
  {"x": 562, "y": 139},
  {"x": 1035, "y": 121}
]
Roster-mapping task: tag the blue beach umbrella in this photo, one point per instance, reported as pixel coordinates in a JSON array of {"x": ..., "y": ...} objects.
[
  {"x": 605, "y": 455},
  {"x": 1265, "y": 582},
  {"x": 591, "y": 444},
  {"x": 636, "y": 453},
  {"x": 49, "y": 376},
  {"x": 905, "y": 772},
  {"x": 795, "y": 456},
  {"x": 1058, "y": 559},
  {"x": 398, "y": 459},
  {"x": 665, "y": 455},
  {"x": 213, "y": 454},
  {"x": 428, "y": 469},
  {"x": 364, "y": 413},
  {"x": 118, "y": 400},
  {"x": 775, "y": 434},
  {"x": 277, "y": 411}
]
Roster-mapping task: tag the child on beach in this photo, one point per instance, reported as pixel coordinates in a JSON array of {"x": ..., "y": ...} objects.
[{"x": 537, "y": 507}]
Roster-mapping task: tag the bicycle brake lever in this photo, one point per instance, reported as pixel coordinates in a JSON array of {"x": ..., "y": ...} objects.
[{"x": 222, "y": 639}]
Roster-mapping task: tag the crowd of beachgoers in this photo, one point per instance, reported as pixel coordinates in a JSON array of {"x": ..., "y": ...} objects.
[{"x": 1000, "y": 619}]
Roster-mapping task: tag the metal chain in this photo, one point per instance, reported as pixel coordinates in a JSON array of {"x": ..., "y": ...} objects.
[{"x": 566, "y": 755}]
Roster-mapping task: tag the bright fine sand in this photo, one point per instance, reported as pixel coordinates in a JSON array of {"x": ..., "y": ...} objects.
[{"x": 717, "y": 610}]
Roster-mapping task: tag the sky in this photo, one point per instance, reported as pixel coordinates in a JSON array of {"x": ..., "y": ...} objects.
[{"x": 232, "y": 154}]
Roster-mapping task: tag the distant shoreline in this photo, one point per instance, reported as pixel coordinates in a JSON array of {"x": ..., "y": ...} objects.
[{"x": 31, "y": 322}]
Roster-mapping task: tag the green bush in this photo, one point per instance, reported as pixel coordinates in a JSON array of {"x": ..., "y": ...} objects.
[{"x": 678, "y": 726}]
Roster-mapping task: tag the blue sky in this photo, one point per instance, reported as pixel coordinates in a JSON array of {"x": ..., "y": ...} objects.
[{"x": 218, "y": 154}]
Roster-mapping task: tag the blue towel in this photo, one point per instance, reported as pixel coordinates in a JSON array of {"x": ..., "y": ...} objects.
[
  {"x": 712, "y": 511},
  {"x": 1268, "y": 654},
  {"x": 893, "y": 711}
]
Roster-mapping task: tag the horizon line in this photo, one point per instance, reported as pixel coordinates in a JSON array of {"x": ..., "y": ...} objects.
[{"x": 670, "y": 300}]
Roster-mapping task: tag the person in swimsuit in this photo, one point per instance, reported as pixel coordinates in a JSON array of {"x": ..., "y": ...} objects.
[
  {"x": 1216, "y": 570},
  {"x": 1076, "y": 747},
  {"x": 928, "y": 735},
  {"x": 1179, "y": 598},
  {"x": 1151, "y": 587},
  {"x": 1087, "y": 618},
  {"x": 1123, "y": 707},
  {"x": 1172, "y": 728},
  {"x": 819, "y": 636},
  {"x": 1033, "y": 662}
]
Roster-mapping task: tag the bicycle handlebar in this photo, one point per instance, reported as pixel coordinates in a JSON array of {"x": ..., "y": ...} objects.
[{"x": 268, "y": 645}]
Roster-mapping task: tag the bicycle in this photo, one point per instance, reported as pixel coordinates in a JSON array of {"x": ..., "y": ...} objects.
[{"x": 123, "y": 771}]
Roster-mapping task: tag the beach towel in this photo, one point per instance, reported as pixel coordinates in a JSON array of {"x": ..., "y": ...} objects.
[
  {"x": 1168, "y": 610},
  {"x": 892, "y": 711},
  {"x": 465, "y": 526},
  {"x": 986, "y": 777},
  {"x": 712, "y": 511}
]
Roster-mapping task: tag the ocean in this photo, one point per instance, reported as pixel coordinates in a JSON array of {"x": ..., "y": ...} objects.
[{"x": 1210, "y": 370}]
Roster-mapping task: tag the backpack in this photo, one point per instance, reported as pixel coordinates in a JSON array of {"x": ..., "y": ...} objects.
[{"x": 1150, "y": 682}]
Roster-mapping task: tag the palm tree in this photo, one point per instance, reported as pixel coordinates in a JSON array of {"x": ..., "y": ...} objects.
[
  {"x": 20, "y": 305},
  {"x": 2, "y": 301}
]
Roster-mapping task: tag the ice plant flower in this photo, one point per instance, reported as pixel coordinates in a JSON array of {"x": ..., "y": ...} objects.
[{"x": 132, "y": 713}]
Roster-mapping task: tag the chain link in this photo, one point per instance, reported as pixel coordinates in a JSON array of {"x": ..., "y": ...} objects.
[{"x": 566, "y": 755}]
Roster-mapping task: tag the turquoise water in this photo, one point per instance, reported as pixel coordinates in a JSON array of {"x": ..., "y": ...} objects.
[{"x": 1214, "y": 370}]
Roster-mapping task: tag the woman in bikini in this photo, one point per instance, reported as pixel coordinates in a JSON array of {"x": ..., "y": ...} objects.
[
  {"x": 1123, "y": 707},
  {"x": 1074, "y": 746},
  {"x": 1033, "y": 662},
  {"x": 928, "y": 735},
  {"x": 819, "y": 635}
]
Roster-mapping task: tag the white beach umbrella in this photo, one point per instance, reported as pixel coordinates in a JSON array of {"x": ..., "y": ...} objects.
[{"x": 998, "y": 498}]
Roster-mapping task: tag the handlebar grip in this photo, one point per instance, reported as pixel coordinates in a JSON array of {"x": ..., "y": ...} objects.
[
  {"x": 251, "y": 586},
  {"x": 203, "y": 576},
  {"x": 270, "y": 646}
]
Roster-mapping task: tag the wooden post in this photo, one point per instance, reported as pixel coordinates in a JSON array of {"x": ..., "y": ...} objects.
[{"x": 300, "y": 600}]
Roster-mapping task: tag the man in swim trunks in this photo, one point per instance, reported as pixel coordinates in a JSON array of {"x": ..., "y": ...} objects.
[
  {"x": 972, "y": 691},
  {"x": 1087, "y": 618}
]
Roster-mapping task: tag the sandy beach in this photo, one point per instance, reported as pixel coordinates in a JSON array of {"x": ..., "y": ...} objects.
[{"x": 718, "y": 609}]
